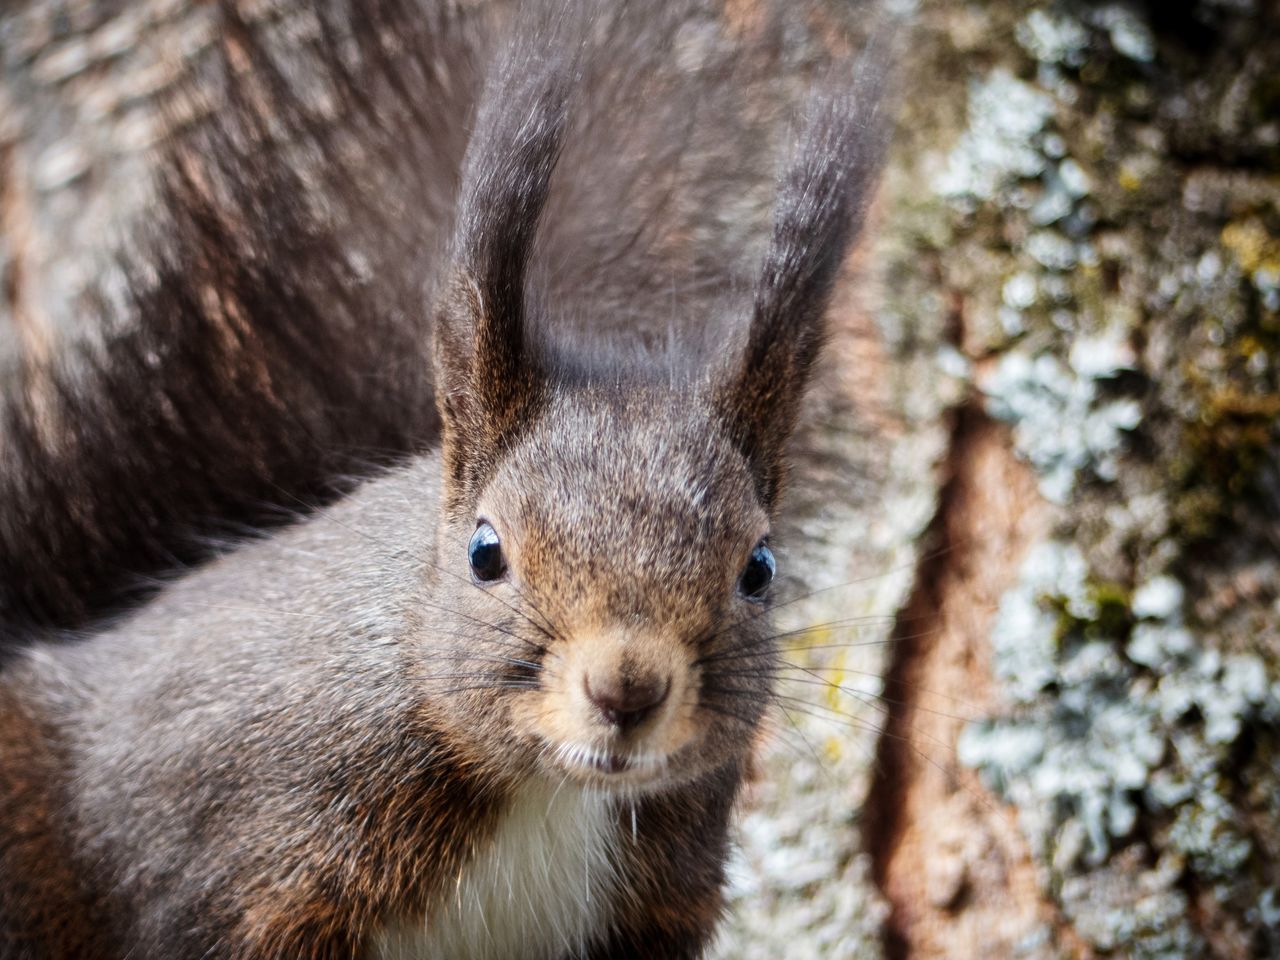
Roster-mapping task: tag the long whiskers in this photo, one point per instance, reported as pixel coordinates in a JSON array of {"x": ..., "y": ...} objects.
[
  {"x": 781, "y": 668},
  {"x": 546, "y": 628},
  {"x": 770, "y": 608},
  {"x": 789, "y": 707},
  {"x": 762, "y": 645}
]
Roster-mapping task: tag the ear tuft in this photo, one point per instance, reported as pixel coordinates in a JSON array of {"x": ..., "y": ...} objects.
[
  {"x": 487, "y": 380},
  {"x": 821, "y": 205}
]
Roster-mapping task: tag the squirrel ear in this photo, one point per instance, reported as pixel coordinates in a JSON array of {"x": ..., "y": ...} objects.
[
  {"x": 487, "y": 380},
  {"x": 819, "y": 211}
]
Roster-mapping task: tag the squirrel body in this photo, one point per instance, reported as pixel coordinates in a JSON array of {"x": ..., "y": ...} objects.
[
  {"x": 497, "y": 700},
  {"x": 293, "y": 719}
]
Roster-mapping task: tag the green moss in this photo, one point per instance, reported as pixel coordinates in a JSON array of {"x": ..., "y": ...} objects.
[
  {"x": 1197, "y": 512},
  {"x": 1109, "y": 615},
  {"x": 1112, "y": 600},
  {"x": 1226, "y": 446}
]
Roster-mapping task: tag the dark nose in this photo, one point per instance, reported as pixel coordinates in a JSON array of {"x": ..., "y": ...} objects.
[{"x": 626, "y": 703}]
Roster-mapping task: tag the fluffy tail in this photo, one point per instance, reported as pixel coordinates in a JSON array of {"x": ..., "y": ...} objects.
[{"x": 274, "y": 344}]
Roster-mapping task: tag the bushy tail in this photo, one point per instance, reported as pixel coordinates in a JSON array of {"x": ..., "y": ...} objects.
[{"x": 275, "y": 330}]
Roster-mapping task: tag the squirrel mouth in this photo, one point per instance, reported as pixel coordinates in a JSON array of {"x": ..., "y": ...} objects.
[
  {"x": 610, "y": 763},
  {"x": 578, "y": 757}
]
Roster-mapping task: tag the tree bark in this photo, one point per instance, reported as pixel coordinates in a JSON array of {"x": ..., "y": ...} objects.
[{"x": 1099, "y": 235}]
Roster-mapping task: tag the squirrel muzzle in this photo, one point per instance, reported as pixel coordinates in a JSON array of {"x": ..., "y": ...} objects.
[{"x": 617, "y": 704}]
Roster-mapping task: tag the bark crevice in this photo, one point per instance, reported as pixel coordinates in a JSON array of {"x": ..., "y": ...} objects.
[{"x": 946, "y": 855}]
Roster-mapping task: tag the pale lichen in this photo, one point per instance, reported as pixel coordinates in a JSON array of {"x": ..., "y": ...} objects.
[
  {"x": 1062, "y": 423},
  {"x": 1096, "y": 738},
  {"x": 1006, "y": 115},
  {"x": 1132, "y": 342}
]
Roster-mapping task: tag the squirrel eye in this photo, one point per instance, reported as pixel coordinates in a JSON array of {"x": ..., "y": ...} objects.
[
  {"x": 755, "y": 579},
  {"x": 485, "y": 553}
]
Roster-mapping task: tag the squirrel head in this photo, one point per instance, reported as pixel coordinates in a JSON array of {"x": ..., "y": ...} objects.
[{"x": 603, "y": 553}]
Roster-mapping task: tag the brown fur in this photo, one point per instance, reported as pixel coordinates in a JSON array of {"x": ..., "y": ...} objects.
[
  {"x": 318, "y": 734},
  {"x": 43, "y": 902}
]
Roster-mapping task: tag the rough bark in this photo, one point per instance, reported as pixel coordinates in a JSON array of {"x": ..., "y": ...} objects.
[{"x": 1104, "y": 223}]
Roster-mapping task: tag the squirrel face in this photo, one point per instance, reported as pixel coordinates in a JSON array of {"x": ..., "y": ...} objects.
[
  {"x": 608, "y": 519},
  {"x": 613, "y": 539}
]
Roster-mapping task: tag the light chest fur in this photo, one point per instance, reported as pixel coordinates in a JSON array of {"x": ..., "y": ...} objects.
[{"x": 541, "y": 887}]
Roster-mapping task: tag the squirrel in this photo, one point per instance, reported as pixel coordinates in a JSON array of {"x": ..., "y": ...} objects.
[{"x": 496, "y": 697}]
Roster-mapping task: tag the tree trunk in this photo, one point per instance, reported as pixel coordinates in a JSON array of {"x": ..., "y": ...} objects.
[{"x": 1098, "y": 243}]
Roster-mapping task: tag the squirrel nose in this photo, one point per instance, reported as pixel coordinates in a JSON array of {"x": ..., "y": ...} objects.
[{"x": 626, "y": 703}]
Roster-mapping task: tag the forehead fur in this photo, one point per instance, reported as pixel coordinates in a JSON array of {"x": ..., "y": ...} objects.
[{"x": 641, "y": 480}]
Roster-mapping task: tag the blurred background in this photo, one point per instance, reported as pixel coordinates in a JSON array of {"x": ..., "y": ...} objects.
[{"x": 1033, "y": 648}]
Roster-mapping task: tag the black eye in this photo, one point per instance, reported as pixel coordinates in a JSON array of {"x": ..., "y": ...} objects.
[
  {"x": 485, "y": 553},
  {"x": 755, "y": 579}
]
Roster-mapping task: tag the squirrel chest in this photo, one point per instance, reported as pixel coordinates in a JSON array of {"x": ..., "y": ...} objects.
[{"x": 541, "y": 886}]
